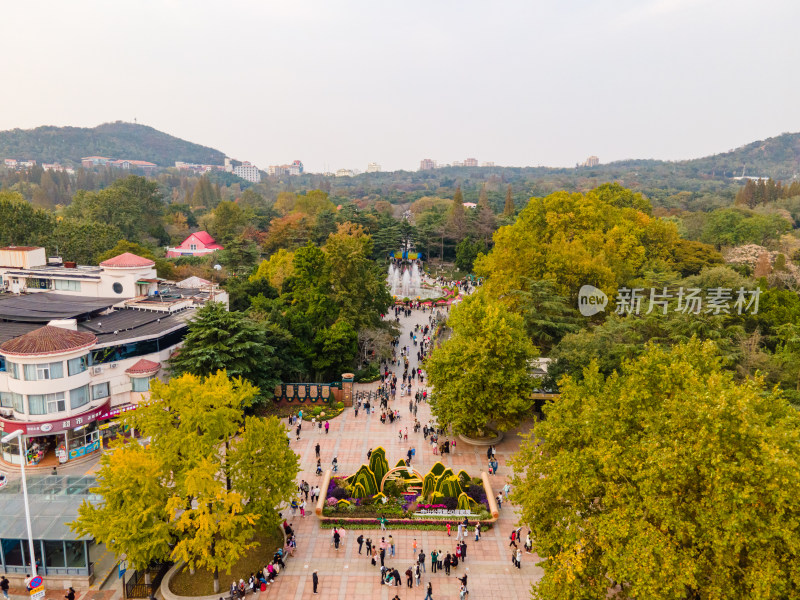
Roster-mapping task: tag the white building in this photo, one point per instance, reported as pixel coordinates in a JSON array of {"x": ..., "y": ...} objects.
[
  {"x": 25, "y": 269},
  {"x": 344, "y": 173},
  {"x": 75, "y": 354},
  {"x": 373, "y": 168},
  {"x": 248, "y": 171}
]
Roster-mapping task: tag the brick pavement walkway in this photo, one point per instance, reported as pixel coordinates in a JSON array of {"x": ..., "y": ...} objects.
[{"x": 343, "y": 574}]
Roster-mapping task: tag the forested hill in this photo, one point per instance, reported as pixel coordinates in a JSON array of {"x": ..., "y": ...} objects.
[
  {"x": 113, "y": 140},
  {"x": 777, "y": 157}
]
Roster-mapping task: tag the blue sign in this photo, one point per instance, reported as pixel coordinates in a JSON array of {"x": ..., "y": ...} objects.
[
  {"x": 35, "y": 582},
  {"x": 123, "y": 566}
]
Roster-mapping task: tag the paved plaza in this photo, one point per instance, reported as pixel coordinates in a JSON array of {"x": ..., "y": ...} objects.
[{"x": 343, "y": 574}]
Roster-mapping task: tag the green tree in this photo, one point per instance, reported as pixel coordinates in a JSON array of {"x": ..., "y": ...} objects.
[
  {"x": 466, "y": 253},
  {"x": 132, "y": 519},
  {"x": 240, "y": 254},
  {"x": 681, "y": 483},
  {"x": 133, "y": 205},
  {"x": 262, "y": 467},
  {"x": 219, "y": 339},
  {"x": 548, "y": 316},
  {"x": 21, "y": 224},
  {"x": 357, "y": 286},
  {"x": 509, "y": 209},
  {"x": 82, "y": 241},
  {"x": 481, "y": 375},
  {"x": 229, "y": 221},
  {"x": 457, "y": 217}
]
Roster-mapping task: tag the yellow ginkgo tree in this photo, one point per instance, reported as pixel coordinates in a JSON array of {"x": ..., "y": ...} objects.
[{"x": 211, "y": 523}]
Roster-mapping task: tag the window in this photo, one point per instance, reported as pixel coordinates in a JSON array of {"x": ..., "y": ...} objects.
[
  {"x": 192, "y": 246},
  {"x": 77, "y": 365},
  {"x": 76, "y": 556},
  {"x": 13, "y": 369},
  {"x": 12, "y": 551},
  {"x": 54, "y": 554},
  {"x": 12, "y": 400},
  {"x": 2, "y": 365},
  {"x": 37, "y": 283},
  {"x": 140, "y": 384},
  {"x": 79, "y": 396},
  {"x": 44, "y": 371},
  {"x": 67, "y": 285},
  {"x": 100, "y": 391},
  {"x": 42, "y": 404},
  {"x": 117, "y": 287}
]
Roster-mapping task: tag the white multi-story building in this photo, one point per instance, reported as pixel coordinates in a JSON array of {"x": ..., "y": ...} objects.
[
  {"x": 373, "y": 168},
  {"x": 73, "y": 358},
  {"x": 344, "y": 173},
  {"x": 248, "y": 171}
]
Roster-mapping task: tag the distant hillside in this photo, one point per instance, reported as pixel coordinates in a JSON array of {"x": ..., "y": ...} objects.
[
  {"x": 777, "y": 157},
  {"x": 114, "y": 140}
]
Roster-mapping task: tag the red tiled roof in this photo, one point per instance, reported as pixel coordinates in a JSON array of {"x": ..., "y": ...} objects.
[
  {"x": 204, "y": 237},
  {"x": 48, "y": 340},
  {"x": 127, "y": 259},
  {"x": 143, "y": 367}
]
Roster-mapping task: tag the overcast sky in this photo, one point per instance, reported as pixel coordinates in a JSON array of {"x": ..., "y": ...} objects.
[{"x": 340, "y": 83}]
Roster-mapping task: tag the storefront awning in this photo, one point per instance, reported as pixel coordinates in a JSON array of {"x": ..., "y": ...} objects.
[{"x": 48, "y": 427}]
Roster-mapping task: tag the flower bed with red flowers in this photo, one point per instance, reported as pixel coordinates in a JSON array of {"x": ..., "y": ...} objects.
[{"x": 422, "y": 524}]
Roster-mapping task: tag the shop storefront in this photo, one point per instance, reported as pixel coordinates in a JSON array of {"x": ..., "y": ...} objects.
[{"x": 52, "y": 443}]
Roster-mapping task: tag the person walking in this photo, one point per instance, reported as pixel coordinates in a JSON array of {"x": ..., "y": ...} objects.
[
  {"x": 421, "y": 561},
  {"x": 302, "y": 508},
  {"x": 315, "y": 580},
  {"x": 429, "y": 595},
  {"x": 391, "y": 545},
  {"x": 447, "y": 564},
  {"x": 336, "y": 538},
  {"x": 513, "y": 538},
  {"x": 70, "y": 594},
  {"x": 409, "y": 577},
  {"x": 519, "y": 558},
  {"x": 463, "y": 550},
  {"x": 317, "y": 449},
  {"x": 448, "y": 530},
  {"x": 382, "y": 521},
  {"x": 360, "y": 540},
  {"x": 477, "y": 531},
  {"x": 4, "y": 584},
  {"x": 327, "y": 426}
]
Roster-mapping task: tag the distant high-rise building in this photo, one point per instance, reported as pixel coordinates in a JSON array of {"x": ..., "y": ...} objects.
[
  {"x": 248, "y": 171},
  {"x": 471, "y": 162},
  {"x": 427, "y": 164},
  {"x": 488, "y": 163},
  {"x": 592, "y": 161},
  {"x": 373, "y": 168}
]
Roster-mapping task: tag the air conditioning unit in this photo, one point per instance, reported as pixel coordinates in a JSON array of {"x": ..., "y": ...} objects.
[
  {"x": 113, "y": 365},
  {"x": 97, "y": 370},
  {"x": 6, "y": 412}
]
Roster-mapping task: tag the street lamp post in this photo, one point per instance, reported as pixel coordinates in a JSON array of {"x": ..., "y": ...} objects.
[{"x": 6, "y": 440}]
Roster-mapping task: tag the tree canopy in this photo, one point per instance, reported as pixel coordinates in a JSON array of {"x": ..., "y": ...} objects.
[
  {"x": 481, "y": 375},
  {"x": 667, "y": 480}
]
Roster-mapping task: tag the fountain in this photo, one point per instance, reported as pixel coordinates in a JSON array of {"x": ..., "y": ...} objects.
[{"x": 404, "y": 279}]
